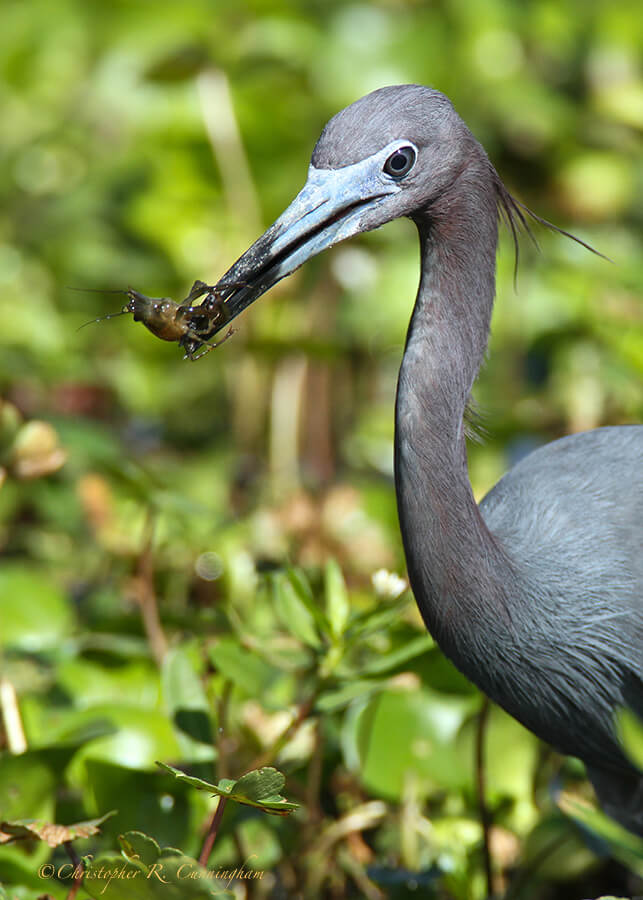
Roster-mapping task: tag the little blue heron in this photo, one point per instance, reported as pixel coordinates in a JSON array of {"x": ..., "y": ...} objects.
[{"x": 536, "y": 594}]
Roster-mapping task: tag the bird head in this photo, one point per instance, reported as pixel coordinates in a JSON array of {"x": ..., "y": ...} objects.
[
  {"x": 398, "y": 151},
  {"x": 389, "y": 154}
]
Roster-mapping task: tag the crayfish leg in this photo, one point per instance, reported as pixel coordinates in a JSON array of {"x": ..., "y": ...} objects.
[
  {"x": 190, "y": 353},
  {"x": 198, "y": 289}
]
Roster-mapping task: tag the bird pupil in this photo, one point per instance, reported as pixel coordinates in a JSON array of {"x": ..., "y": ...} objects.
[{"x": 400, "y": 162}]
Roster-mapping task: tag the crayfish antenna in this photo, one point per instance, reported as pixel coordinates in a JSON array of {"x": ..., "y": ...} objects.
[{"x": 100, "y": 291}]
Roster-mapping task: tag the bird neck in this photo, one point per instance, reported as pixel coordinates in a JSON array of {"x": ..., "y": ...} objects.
[{"x": 458, "y": 573}]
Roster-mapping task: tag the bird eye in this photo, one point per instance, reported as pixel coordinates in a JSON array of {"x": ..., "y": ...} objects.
[{"x": 400, "y": 162}]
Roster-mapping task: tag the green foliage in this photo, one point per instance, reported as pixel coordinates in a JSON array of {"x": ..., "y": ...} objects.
[
  {"x": 29, "y": 596},
  {"x": 623, "y": 845},
  {"x": 188, "y": 549},
  {"x": 631, "y": 730},
  {"x": 259, "y": 788},
  {"x": 144, "y": 871},
  {"x": 241, "y": 667},
  {"x": 337, "y": 602},
  {"x": 186, "y": 701},
  {"x": 400, "y": 734}
]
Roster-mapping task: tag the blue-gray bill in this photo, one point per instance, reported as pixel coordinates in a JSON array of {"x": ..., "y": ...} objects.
[{"x": 333, "y": 205}]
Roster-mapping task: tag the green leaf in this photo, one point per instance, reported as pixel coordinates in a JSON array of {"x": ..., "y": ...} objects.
[
  {"x": 506, "y": 774},
  {"x": 146, "y": 802},
  {"x": 399, "y": 734},
  {"x": 332, "y": 700},
  {"x": 260, "y": 788},
  {"x": 140, "y": 737},
  {"x": 182, "y": 687},
  {"x": 630, "y": 729},
  {"x": 69, "y": 727},
  {"x": 27, "y": 786},
  {"x": 137, "y": 845},
  {"x": 27, "y": 791},
  {"x": 151, "y": 873},
  {"x": 337, "y": 602},
  {"x": 395, "y": 658},
  {"x": 378, "y": 619},
  {"x": 90, "y": 682},
  {"x": 301, "y": 586},
  {"x": 34, "y": 612},
  {"x": 260, "y": 784},
  {"x": 24, "y": 893},
  {"x": 242, "y": 667},
  {"x": 294, "y": 613},
  {"x": 556, "y": 851},
  {"x": 184, "y": 695},
  {"x": 181, "y": 63},
  {"x": 624, "y": 845}
]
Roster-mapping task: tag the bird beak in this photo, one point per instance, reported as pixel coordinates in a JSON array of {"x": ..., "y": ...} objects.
[{"x": 333, "y": 205}]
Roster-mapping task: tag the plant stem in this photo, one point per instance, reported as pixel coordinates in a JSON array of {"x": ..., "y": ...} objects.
[
  {"x": 221, "y": 769},
  {"x": 211, "y": 836},
  {"x": 78, "y": 867},
  {"x": 10, "y": 711},
  {"x": 147, "y": 595},
  {"x": 485, "y": 817},
  {"x": 222, "y": 722},
  {"x": 268, "y": 756},
  {"x": 314, "y": 776},
  {"x": 525, "y": 875}
]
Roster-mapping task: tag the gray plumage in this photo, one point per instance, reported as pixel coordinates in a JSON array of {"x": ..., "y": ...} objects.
[{"x": 537, "y": 594}]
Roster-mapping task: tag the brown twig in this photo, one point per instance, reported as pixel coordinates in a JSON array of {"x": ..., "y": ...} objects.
[
  {"x": 79, "y": 869},
  {"x": 366, "y": 887},
  {"x": 146, "y": 594},
  {"x": 222, "y": 722},
  {"x": 268, "y": 756},
  {"x": 211, "y": 836},
  {"x": 485, "y": 817},
  {"x": 222, "y": 771},
  {"x": 314, "y": 775},
  {"x": 525, "y": 875}
]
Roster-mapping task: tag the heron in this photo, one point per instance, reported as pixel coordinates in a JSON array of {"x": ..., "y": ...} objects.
[{"x": 535, "y": 594}]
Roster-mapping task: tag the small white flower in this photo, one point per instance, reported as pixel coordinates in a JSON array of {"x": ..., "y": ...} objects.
[{"x": 388, "y": 584}]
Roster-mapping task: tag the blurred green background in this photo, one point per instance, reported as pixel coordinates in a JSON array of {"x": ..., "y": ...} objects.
[{"x": 166, "y": 527}]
